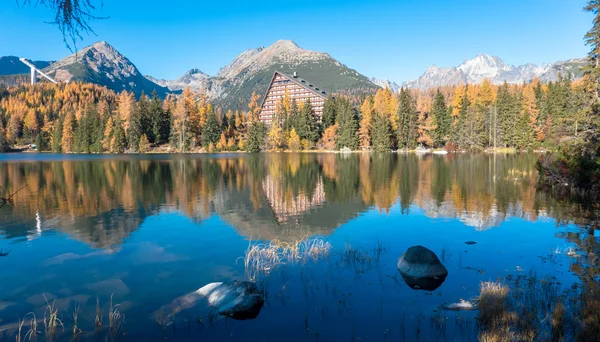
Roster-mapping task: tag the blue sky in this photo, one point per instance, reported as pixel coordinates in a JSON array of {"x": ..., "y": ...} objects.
[{"x": 397, "y": 39}]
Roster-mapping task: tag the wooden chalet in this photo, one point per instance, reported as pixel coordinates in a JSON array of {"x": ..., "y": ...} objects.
[{"x": 297, "y": 89}]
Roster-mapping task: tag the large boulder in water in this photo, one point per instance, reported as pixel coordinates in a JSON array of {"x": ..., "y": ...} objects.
[
  {"x": 421, "y": 269},
  {"x": 239, "y": 300}
]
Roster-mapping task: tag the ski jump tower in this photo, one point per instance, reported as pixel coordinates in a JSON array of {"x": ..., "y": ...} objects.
[{"x": 35, "y": 71}]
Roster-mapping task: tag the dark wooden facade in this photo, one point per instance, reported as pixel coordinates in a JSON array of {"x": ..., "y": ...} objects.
[{"x": 296, "y": 88}]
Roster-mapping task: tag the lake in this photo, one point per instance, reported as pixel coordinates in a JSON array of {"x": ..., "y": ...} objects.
[{"x": 108, "y": 245}]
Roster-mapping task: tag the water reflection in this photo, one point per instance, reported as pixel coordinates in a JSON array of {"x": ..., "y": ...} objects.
[
  {"x": 283, "y": 196},
  {"x": 160, "y": 227}
]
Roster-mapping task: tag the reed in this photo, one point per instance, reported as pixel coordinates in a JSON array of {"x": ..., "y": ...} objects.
[
  {"x": 262, "y": 258},
  {"x": 76, "y": 331},
  {"x": 51, "y": 320},
  {"x": 98, "y": 319}
]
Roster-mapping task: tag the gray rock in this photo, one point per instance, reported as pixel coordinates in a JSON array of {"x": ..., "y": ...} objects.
[
  {"x": 421, "y": 269},
  {"x": 239, "y": 300}
]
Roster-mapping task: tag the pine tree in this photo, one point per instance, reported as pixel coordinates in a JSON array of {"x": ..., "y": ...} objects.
[
  {"x": 155, "y": 112},
  {"x": 508, "y": 114},
  {"x": 592, "y": 38},
  {"x": 381, "y": 133},
  {"x": 135, "y": 131},
  {"x": 329, "y": 112},
  {"x": 57, "y": 136},
  {"x": 442, "y": 119},
  {"x": 211, "y": 130},
  {"x": 3, "y": 144},
  {"x": 146, "y": 120},
  {"x": 119, "y": 143},
  {"x": 291, "y": 120},
  {"x": 407, "y": 120},
  {"x": 347, "y": 122},
  {"x": 256, "y": 133},
  {"x": 306, "y": 124}
]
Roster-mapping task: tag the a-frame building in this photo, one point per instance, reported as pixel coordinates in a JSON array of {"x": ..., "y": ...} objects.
[{"x": 296, "y": 88}]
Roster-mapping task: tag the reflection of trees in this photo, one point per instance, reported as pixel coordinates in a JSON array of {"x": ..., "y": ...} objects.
[
  {"x": 280, "y": 196},
  {"x": 587, "y": 264}
]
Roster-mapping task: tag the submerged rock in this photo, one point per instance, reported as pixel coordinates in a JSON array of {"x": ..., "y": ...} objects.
[
  {"x": 463, "y": 305},
  {"x": 239, "y": 300},
  {"x": 421, "y": 269}
]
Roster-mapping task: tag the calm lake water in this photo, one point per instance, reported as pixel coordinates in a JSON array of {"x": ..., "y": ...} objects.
[{"x": 146, "y": 230}]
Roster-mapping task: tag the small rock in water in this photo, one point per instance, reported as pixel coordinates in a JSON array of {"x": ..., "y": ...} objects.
[
  {"x": 470, "y": 242},
  {"x": 463, "y": 305}
]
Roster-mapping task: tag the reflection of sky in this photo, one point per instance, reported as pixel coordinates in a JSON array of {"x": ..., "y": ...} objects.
[{"x": 171, "y": 255}]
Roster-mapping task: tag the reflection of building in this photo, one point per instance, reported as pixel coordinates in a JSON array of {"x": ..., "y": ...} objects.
[
  {"x": 286, "y": 205},
  {"x": 295, "y": 88}
]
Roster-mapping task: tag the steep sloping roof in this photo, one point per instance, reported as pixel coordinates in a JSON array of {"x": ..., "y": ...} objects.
[{"x": 298, "y": 81}]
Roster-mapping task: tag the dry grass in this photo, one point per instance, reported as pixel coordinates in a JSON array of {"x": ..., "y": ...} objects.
[
  {"x": 76, "y": 330},
  {"x": 261, "y": 259},
  {"x": 116, "y": 319},
  {"x": 526, "y": 309},
  {"x": 98, "y": 319},
  {"x": 51, "y": 320}
]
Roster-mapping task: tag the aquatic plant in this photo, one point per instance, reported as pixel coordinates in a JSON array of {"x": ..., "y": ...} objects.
[
  {"x": 98, "y": 319},
  {"x": 261, "y": 259},
  {"x": 51, "y": 320},
  {"x": 116, "y": 319},
  {"x": 76, "y": 330}
]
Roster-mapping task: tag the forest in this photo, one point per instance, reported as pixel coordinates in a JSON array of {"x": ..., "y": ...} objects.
[{"x": 86, "y": 118}]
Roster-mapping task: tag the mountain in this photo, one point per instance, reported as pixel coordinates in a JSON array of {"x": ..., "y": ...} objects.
[
  {"x": 394, "y": 87},
  {"x": 252, "y": 70},
  {"x": 102, "y": 64},
  {"x": 11, "y": 65},
  {"x": 494, "y": 69}
]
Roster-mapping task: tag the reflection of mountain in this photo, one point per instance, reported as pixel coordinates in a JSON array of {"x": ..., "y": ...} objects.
[{"x": 270, "y": 196}]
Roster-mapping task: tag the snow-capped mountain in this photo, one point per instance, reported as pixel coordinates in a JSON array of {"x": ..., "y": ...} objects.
[
  {"x": 385, "y": 83},
  {"x": 494, "y": 69}
]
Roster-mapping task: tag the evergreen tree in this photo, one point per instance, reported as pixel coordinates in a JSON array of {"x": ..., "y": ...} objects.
[
  {"x": 442, "y": 120},
  {"x": 256, "y": 136},
  {"x": 380, "y": 133},
  {"x": 592, "y": 38},
  {"x": 57, "y": 136},
  {"x": 306, "y": 124},
  {"x": 346, "y": 118},
  {"x": 507, "y": 112},
  {"x": 134, "y": 133},
  {"x": 119, "y": 143},
  {"x": 329, "y": 112},
  {"x": 291, "y": 120},
  {"x": 161, "y": 121},
  {"x": 146, "y": 119},
  {"x": 407, "y": 120},
  {"x": 211, "y": 130},
  {"x": 3, "y": 144}
]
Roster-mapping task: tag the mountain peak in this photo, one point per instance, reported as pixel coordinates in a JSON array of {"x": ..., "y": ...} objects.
[
  {"x": 485, "y": 66},
  {"x": 286, "y": 43}
]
